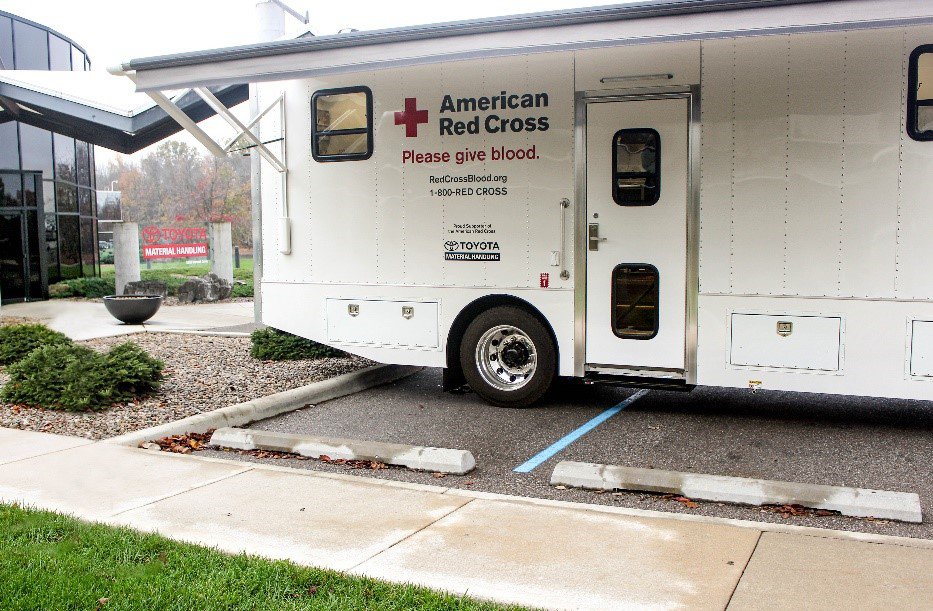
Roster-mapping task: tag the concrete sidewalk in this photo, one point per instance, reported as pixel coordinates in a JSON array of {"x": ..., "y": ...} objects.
[
  {"x": 81, "y": 320},
  {"x": 534, "y": 552}
]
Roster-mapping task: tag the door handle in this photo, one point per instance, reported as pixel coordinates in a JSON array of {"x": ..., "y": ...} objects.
[{"x": 593, "y": 236}]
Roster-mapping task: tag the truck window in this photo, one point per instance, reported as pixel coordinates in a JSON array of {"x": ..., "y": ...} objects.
[
  {"x": 636, "y": 174},
  {"x": 635, "y": 296},
  {"x": 342, "y": 124},
  {"x": 920, "y": 94}
]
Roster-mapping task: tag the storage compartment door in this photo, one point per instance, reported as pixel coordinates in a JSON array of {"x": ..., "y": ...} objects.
[
  {"x": 787, "y": 342},
  {"x": 371, "y": 322},
  {"x": 921, "y": 348}
]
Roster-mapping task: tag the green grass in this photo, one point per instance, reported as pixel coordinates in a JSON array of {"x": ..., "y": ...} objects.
[
  {"x": 50, "y": 561},
  {"x": 172, "y": 274}
]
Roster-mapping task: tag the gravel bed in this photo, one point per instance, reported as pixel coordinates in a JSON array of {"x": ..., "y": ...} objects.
[{"x": 203, "y": 373}]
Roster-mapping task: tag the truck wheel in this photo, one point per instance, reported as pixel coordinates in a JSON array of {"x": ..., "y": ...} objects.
[{"x": 508, "y": 357}]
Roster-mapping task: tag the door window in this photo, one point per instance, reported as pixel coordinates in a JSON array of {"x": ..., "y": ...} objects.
[
  {"x": 635, "y": 297},
  {"x": 636, "y": 173},
  {"x": 920, "y": 94}
]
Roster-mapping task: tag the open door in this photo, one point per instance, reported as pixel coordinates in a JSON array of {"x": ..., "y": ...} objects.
[{"x": 637, "y": 159}]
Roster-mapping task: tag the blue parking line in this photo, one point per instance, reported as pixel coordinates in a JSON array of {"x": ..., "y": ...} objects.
[{"x": 569, "y": 438}]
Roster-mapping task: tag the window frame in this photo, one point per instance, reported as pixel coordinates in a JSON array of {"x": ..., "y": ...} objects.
[
  {"x": 368, "y": 130},
  {"x": 615, "y": 165},
  {"x": 913, "y": 104},
  {"x": 613, "y": 302}
]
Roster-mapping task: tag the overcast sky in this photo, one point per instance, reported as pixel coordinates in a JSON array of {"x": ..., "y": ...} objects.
[{"x": 113, "y": 31}]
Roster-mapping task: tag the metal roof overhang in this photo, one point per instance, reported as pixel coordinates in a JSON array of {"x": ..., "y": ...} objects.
[
  {"x": 641, "y": 22},
  {"x": 119, "y": 131}
]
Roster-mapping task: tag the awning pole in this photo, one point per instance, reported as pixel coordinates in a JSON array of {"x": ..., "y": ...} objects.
[
  {"x": 229, "y": 117},
  {"x": 185, "y": 121}
]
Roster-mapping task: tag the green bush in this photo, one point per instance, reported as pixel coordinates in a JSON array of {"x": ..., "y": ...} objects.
[
  {"x": 83, "y": 287},
  {"x": 274, "y": 345},
  {"x": 106, "y": 256},
  {"x": 75, "y": 378},
  {"x": 243, "y": 290},
  {"x": 17, "y": 341}
]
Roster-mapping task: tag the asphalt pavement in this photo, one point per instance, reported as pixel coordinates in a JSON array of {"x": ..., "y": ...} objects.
[{"x": 823, "y": 439}]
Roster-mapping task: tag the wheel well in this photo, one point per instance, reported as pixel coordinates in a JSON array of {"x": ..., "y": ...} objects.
[{"x": 453, "y": 374}]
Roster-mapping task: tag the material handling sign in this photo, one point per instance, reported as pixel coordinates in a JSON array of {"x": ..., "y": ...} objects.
[
  {"x": 164, "y": 242},
  {"x": 175, "y": 251}
]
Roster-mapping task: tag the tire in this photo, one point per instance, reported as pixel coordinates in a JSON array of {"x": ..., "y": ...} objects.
[{"x": 508, "y": 357}]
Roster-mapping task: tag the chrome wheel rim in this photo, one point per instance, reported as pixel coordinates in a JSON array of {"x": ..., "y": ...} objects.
[{"x": 506, "y": 357}]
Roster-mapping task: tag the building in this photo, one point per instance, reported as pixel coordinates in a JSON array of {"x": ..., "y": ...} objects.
[{"x": 48, "y": 229}]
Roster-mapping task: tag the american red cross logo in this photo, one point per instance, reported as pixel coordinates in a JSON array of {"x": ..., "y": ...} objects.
[{"x": 411, "y": 117}]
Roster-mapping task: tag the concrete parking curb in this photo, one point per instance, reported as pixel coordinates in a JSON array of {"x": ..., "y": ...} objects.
[
  {"x": 857, "y": 502},
  {"x": 443, "y": 460},
  {"x": 272, "y": 405}
]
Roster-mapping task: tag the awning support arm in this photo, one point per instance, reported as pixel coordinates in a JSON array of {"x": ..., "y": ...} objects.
[
  {"x": 252, "y": 123},
  {"x": 185, "y": 121},
  {"x": 234, "y": 122}
]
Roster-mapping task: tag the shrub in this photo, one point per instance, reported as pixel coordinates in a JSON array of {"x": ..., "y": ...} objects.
[
  {"x": 106, "y": 256},
  {"x": 75, "y": 378},
  {"x": 17, "y": 341},
  {"x": 133, "y": 370},
  {"x": 243, "y": 290},
  {"x": 274, "y": 345},
  {"x": 84, "y": 287},
  {"x": 60, "y": 290}
]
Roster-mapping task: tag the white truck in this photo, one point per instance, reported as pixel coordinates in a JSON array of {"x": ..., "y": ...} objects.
[{"x": 686, "y": 192}]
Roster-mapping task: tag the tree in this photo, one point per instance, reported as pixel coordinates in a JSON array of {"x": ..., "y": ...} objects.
[{"x": 176, "y": 184}]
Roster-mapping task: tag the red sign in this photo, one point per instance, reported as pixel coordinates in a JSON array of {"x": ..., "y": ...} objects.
[
  {"x": 545, "y": 280},
  {"x": 173, "y": 235},
  {"x": 174, "y": 251}
]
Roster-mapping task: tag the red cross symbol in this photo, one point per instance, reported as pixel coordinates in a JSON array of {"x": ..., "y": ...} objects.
[{"x": 411, "y": 118}]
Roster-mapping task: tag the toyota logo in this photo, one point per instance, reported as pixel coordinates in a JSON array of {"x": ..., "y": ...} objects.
[
  {"x": 151, "y": 234},
  {"x": 450, "y": 245}
]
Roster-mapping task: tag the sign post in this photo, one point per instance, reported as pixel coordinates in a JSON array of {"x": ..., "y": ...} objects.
[
  {"x": 221, "y": 236},
  {"x": 125, "y": 254}
]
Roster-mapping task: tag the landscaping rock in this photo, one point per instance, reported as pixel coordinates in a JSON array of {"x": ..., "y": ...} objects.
[
  {"x": 209, "y": 287},
  {"x": 146, "y": 287}
]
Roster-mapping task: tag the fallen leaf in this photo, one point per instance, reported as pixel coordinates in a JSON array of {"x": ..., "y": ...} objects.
[
  {"x": 688, "y": 503},
  {"x": 438, "y": 475},
  {"x": 101, "y": 602}
]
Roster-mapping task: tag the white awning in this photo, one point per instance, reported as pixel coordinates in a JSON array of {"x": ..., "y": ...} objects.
[{"x": 642, "y": 22}]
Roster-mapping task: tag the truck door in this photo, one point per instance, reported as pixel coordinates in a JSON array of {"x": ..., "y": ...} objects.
[{"x": 636, "y": 235}]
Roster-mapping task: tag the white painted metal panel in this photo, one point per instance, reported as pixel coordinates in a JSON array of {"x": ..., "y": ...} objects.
[
  {"x": 813, "y": 342},
  {"x": 638, "y": 66},
  {"x": 871, "y": 132},
  {"x": 921, "y": 348},
  {"x": 716, "y": 167},
  {"x": 760, "y": 141},
  {"x": 915, "y": 212},
  {"x": 874, "y": 347},
  {"x": 382, "y": 323},
  {"x": 814, "y": 165},
  {"x": 300, "y": 309}
]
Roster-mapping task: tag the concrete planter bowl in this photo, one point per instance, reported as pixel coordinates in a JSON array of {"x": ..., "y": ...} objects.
[{"x": 133, "y": 309}]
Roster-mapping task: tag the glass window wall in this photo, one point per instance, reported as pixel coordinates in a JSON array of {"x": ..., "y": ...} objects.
[{"x": 31, "y": 47}]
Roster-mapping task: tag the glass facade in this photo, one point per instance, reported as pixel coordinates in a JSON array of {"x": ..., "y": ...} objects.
[{"x": 53, "y": 220}]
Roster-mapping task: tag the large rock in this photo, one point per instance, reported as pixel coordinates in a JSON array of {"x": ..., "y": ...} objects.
[
  {"x": 146, "y": 287},
  {"x": 210, "y": 287}
]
